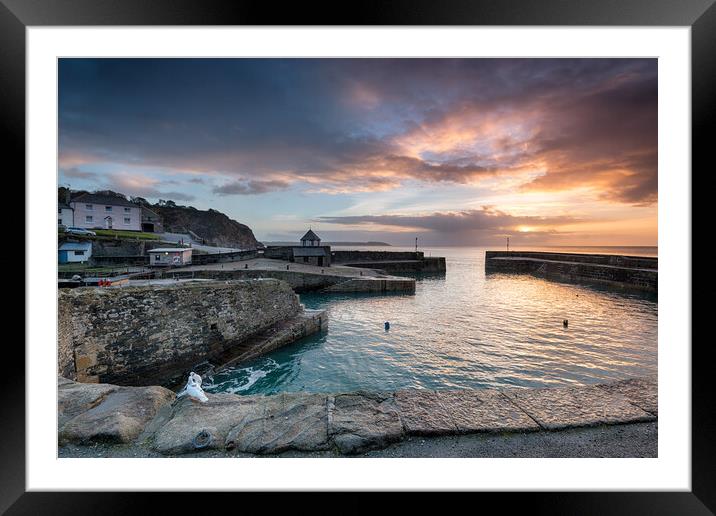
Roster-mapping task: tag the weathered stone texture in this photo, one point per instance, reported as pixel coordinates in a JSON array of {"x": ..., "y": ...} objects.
[
  {"x": 253, "y": 424},
  {"x": 283, "y": 422},
  {"x": 350, "y": 423},
  {"x": 485, "y": 410},
  {"x": 642, "y": 392},
  {"x": 363, "y": 420},
  {"x": 576, "y": 406},
  {"x": 423, "y": 413},
  {"x": 217, "y": 416},
  {"x": 149, "y": 335},
  {"x": 90, "y": 413}
]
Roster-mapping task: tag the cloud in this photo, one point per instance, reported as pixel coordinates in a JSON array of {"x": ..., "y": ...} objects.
[
  {"x": 356, "y": 125},
  {"x": 75, "y": 172},
  {"x": 142, "y": 186},
  {"x": 253, "y": 187},
  {"x": 487, "y": 218}
]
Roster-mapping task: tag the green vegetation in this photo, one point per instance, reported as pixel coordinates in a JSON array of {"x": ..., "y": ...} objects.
[
  {"x": 84, "y": 267},
  {"x": 126, "y": 234}
]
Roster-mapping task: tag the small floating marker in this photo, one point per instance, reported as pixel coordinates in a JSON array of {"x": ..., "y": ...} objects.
[
  {"x": 387, "y": 325},
  {"x": 565, "y": 323}
]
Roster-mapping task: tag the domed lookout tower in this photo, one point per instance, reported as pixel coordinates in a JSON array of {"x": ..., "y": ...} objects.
[
  {"x": 311, "y": 251},
  {"x": 310, "y": 239}
]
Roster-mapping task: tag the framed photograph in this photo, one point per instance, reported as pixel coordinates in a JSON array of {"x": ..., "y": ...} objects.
[{"x": 431, "y": 248}]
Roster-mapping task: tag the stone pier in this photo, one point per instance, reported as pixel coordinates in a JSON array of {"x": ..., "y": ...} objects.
[
  {"x": 155, "y": 334},
  {"x": 629, "y": 272}
]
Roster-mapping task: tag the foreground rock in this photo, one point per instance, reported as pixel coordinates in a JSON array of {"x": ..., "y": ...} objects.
[
  {"x": 89, "y": 413},
  {"x": 363, "y": 421},
  {"x": 347, "y": 423},
  {"x": 253, "y": 424}
]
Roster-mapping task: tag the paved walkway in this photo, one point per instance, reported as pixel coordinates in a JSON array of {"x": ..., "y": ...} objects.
[
  {"x": 542, "y": 260},
  {"x": 268, "y": 264}
]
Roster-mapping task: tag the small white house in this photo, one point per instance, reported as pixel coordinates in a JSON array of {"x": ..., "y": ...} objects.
[
  {"x": 169, "y": 256},
  {"x": 65, "y": 215},
  {"x": 74, "y": 252},
  {"x": 100, "y": 211}
]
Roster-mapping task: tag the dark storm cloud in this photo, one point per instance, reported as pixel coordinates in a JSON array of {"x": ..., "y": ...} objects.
[{"x": 362, "y": 124}]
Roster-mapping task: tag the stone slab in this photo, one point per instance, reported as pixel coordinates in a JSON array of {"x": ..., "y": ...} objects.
[
  {"x": 555, "y": 408},
  {"x": 360, "y": 421},
  {"x": 188, "y": 420},
  {"x": 283, "y": 422},
  {"x": 642, "y": 392},
  {"x": 75, "y": 398},
  {"x": 485, "y": 410},
  {"x": 117, "y": 416},
  {"x": 422, "y": 413}
]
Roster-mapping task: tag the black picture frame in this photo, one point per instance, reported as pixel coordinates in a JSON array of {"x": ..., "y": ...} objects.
[{"x": 700, "y": 15}]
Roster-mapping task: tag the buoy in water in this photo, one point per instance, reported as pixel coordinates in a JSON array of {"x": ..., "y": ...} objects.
[
  {"x": 387, "y": 325},
  {"x": 565, "y": 323}
]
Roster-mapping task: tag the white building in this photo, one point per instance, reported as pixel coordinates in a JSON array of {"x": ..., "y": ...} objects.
[
  {"x": 65, "y": 215},
  {"x": 74, "y": 252},
  {"x": 169, "y": 256},
  {"x": 310, "y": 239},
  {"x": 98, "y": 211}
]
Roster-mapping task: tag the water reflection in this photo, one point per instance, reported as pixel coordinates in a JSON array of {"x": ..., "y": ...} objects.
[{"x": 463, "y": 329}]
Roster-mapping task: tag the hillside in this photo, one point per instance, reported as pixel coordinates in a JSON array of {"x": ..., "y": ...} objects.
[
  {"x": 215, "y": 228},
  {"x": 212, "y": 226}
]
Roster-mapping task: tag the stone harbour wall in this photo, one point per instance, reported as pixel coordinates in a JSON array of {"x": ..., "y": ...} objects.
[
  {"x": 347, "y": 423},
  {"x": 152, "y": 334},
  {"x": 641, "y": 274},
  {"x": 374, "y": 256}
]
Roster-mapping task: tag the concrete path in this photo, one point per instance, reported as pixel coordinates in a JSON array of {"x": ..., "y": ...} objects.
[
  {"x": 638, "y": 440},
  {"x": 187, "y": 239},
  {"x": 268, "y": 264},
  {"x": 573, "y": 262}
]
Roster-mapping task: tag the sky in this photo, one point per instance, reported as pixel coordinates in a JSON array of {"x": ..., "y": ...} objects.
[{"x": 452, "y": 151}]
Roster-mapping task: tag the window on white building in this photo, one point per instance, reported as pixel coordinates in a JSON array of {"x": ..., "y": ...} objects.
[
  {"x": 107, "y": 208},
  {"x": 127, "y": 220},
  {"x": 89, "y": 207},
  {"x": 127, "y": 210},
  {"x": 88, "y": 218},
  {"x": 59, "y": 221},
  {"x": 79, "y": 253}
]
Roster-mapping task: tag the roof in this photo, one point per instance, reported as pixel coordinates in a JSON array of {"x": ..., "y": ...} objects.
[
  {"x": 169, "y": 249},
  {"x": 309, "y": 251},
  {"x": 310, "y": 235},
  {"x": 76, "y": 246},
  {"x": 109, "y": 200}
]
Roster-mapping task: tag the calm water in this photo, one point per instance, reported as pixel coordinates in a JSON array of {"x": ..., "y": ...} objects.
[{"x": 464, "y": 329}]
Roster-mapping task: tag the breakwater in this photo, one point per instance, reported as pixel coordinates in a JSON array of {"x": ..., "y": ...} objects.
[
  {"x": 145, "y": 335},
  {"x": 347, "y": 423},
  {"x": 631, "y": 272},
  {"x": 303, "y": 280},
  {"x": 390, "y": 261}
]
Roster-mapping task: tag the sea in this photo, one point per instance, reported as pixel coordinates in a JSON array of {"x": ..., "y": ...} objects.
[{"x": 464, "y": 329}]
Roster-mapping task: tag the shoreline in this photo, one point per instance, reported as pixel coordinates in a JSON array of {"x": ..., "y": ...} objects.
[{"x": 150, "y": 421}]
